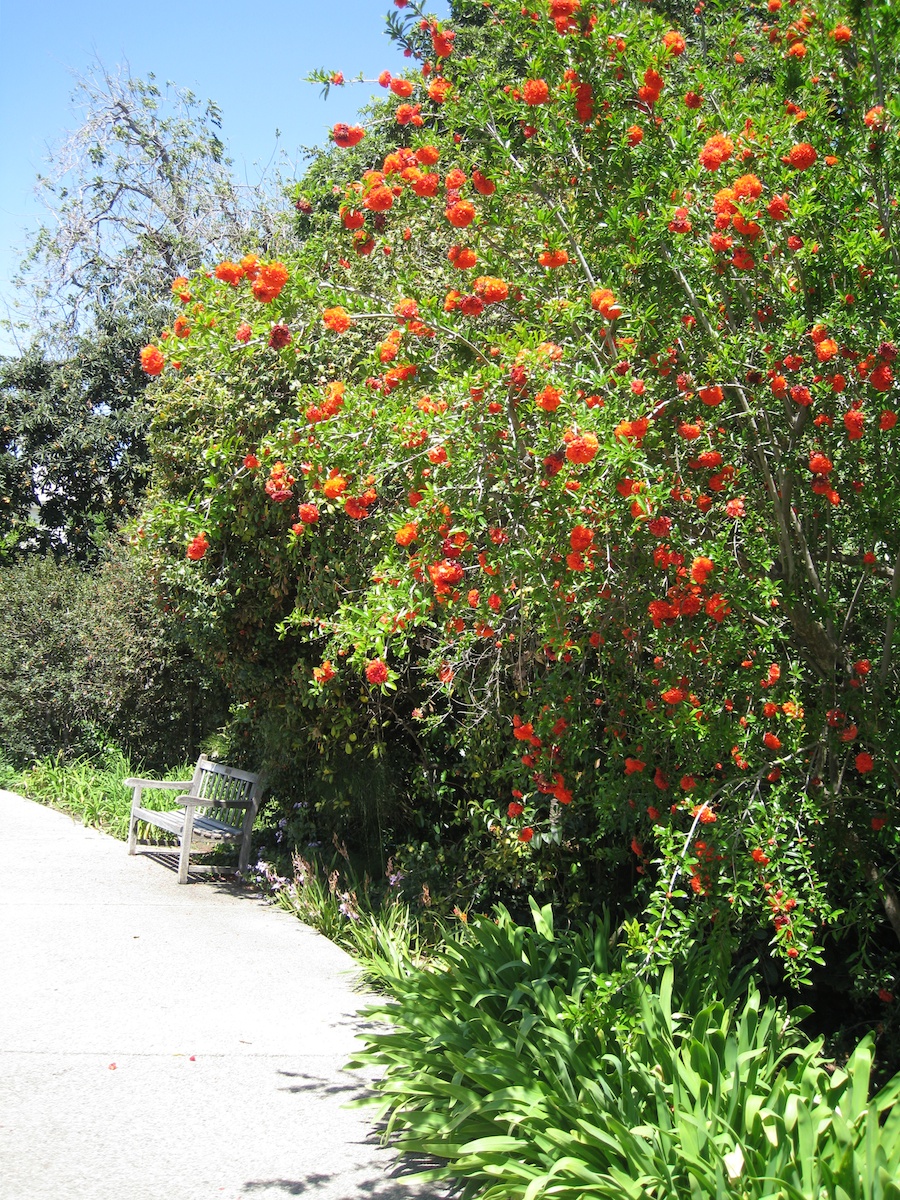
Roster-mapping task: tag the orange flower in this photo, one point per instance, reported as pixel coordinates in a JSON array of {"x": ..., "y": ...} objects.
[
  {"x": 407, "y": 114},
  {"x": 582, "y": 449},
  {"x": 819, "y": 464},
  {"x": 379, "y": 198},
  {"x": 864, "y": 762},
  {"x": 406, "y": 310},
  {"x": 376, "y": 672},
  {"x": 854, "y": 422},
  {"x": 736, "y": 508},
  {"x": 603, "y": 301},
  {"x": 535, "y": 91},
  {"x": 460, "y": 213},
  {"x": 401, "y": 87},
  {"x": 747, "y": 187},
  {"x": 439, "y": 89},
  {"x": 230, "y": 272},
  {"x": 426, "y": 186},
  {"x": 279, "y": 483},
  {"x": 334, "y": 486},
  {"x": 802, "y": 156},
  {"x": 325, "y": 673},
  {"x": 336, "y": 319},
  {"x": 462, "y": 257},
  {"x": 347, "y": 135},
  {"x": 490, "y": 289},
  {"x": 674, "y": 42},
  {"x": 771, "y": 741},
  {"x": 723, "y": 204},
  {"x": 308, "y": 514},
  {"x": 442, "y": 41},
  {"x": 880, "y": 379},
  {"x": 548, "y": 398},
  {"x": 635, "y": 135},
  {"x": 632, "y": 431},
  {"x": 581, "y": 537},
  {"x": 406, "y": 534},
  {"x": 712, "y": 396},
  {"x": 197, "y": 547},
  {"x": 842, "y": 33},
  {"x": 269, "y": 281},
  {"x": 355, "y": 508},
  {"x": 700, "y": 568},
  {"x": 717, "y": 150},
  {"x": 352, "y": 218},
  {"x": 553, "y": 258},
  {"x": 778, "y": 207},
  {"x": 152, "y": 360},
  {"x": 483, "y": 185},
  {"x": 445, "y": 575}
]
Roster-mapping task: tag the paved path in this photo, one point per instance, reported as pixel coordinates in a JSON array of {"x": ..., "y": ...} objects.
[{"x": 228, "y": 1023}]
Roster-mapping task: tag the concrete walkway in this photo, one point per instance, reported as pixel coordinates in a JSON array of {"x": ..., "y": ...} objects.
[{"x": 160, "y": 1042}]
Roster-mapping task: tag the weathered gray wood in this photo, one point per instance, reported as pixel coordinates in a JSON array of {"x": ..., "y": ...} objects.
[{"x": 216, "y": 794}]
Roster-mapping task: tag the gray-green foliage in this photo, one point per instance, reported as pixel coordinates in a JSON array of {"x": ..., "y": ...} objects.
[
  {"x": 491, "y": 1063},
  {"x": 140, "y": 192},
  {"x": 89, "y": 660}
]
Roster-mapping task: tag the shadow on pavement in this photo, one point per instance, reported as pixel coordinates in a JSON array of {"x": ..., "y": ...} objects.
[{"x": 314, "y": 1083}]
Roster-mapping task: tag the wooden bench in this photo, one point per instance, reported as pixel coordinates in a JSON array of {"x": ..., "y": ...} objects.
[{"x": 207, "y": 808}]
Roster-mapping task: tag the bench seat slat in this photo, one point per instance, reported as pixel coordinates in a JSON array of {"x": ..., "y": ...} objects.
[{"x": 173, "y": 822}]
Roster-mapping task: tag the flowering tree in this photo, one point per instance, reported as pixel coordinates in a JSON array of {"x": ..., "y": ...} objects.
[{"x": 561, "y": 460}]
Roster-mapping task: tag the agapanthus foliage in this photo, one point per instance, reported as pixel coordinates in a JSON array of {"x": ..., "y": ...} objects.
[{"x": 559, "y": 466}]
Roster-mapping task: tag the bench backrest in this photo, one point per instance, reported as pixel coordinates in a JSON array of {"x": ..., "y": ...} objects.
[{"x": 223, "y": 785}]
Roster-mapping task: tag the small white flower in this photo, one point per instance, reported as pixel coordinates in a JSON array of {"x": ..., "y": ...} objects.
[{"x": 734, "y": 1164}]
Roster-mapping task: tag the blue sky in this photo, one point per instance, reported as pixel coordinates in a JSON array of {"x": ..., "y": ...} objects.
[{"x": 251, "y": 59}]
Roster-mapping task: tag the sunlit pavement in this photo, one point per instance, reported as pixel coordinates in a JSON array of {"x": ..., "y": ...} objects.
[{"x": 166, "y": 1042}]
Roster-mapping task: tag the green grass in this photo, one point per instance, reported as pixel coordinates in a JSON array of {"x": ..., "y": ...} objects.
[
  {"x": 92, "y": 790},
  {"x": 10, "y": 777}
]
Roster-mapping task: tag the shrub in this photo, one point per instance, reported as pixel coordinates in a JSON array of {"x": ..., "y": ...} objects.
[
  {"x": 88, "y": 660},
  {"x": 594, "y": 539}
]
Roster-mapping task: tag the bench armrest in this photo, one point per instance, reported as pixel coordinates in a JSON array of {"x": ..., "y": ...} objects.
[
  {"x": 171, "y": 784},
  {"x": 207, "y": 802}
]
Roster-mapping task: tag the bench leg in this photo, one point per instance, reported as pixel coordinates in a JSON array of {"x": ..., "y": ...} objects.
[
  {"x": 132, "y": 825},
  {"x": 247, "y": 834},
  {"x": 185, "y": 856}
]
